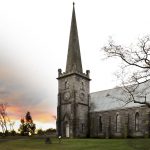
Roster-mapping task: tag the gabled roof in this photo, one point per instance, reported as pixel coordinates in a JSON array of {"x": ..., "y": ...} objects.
[{"x": 113, "y": 99}]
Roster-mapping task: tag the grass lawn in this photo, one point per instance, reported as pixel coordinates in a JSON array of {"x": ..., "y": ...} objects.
[{"x": 77, "y": 144}]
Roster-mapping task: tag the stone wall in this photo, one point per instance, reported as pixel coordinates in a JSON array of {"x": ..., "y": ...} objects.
[{"x": 120, "y": 123}]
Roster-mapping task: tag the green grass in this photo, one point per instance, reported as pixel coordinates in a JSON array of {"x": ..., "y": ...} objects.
[{"x": 77, "y": 144}]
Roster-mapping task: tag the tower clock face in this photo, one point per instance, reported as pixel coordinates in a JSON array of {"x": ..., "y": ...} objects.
[
  {"x": 82, "y": 96},
  {"x": 67, "y": 96}
]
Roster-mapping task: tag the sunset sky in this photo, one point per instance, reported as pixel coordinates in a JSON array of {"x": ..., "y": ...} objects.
[{"x": 34, "y": 38}]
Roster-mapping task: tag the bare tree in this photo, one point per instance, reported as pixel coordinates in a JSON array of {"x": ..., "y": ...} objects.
[
  {"x": 11, "y": 125},
  {"x": 3, "y": 117},
  {"x": 135, "y": 70}
]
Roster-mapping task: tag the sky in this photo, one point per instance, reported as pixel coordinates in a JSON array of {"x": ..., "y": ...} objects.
[{"x": 34, "y": 37}]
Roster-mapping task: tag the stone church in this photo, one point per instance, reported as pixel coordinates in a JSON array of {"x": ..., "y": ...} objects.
[{"x": 99, "y": 114}]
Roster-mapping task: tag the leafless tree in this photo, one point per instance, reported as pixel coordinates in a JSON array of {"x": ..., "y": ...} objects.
[
  {"x": 11, "y": 125},
  {"x": 3, "y": 117},
  {"x": 135, "y": 69}
]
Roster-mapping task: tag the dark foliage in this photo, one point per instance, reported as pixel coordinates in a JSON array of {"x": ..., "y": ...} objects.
[{"x": 27, "y": 126}]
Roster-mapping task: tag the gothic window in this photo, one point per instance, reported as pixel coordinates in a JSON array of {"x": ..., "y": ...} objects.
[
  {"x": 137, "y": 121},
  {"x": 82, "y": 127},
  {"x": 82, "y": 85},
  {"x": 66, "y": 84},
  {"x": 100, "y": 124},
  {"x": 118, "y": 123}
]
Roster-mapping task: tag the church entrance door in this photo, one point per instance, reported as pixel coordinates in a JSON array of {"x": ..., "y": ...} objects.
[{"x": 67, "y": 130}]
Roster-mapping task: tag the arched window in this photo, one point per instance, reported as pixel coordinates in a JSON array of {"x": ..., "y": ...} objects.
[
  {"x": 100, "y": 124},
  {"x": 82, "y": 85},
  {"x": 137, "y": 121},
  {"x": 66, "y": 84},
  {"x": 82, "y": 127},
  {"x": 118, "y": 123}
]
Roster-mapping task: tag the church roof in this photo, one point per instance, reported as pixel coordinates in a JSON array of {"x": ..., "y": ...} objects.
[
  {"x": 116, "y": 98},
  {"x": 74, "y": 63}
]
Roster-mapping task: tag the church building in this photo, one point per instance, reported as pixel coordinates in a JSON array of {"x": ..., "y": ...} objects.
[{"x": 99, "y": 114}]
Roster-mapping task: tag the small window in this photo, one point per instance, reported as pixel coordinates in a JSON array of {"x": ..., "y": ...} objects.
[
  {"x": 66, "y": 84},
  {"x": 100, "y": 124},
  {"x": 137, "y": 121},
  {"x": 82, "y": 85},
  {"x": 118, "y": 123},
  {"x": 82, "y": 127}
]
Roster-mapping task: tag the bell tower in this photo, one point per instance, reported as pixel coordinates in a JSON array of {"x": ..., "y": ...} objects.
[{"x": 73, "y": 91}]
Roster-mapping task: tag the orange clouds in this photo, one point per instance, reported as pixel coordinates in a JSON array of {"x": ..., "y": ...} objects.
[
  {"x": 15, "y": 113},
  {"x": 14, "y": 109},
  {"x": 45, "y": 117}
]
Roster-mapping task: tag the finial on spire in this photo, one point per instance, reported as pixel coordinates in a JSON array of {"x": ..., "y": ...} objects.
[{"x": 73, "y": 3}]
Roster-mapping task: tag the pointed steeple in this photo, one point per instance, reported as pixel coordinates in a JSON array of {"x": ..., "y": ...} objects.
[{"x": 74, "y": 63}]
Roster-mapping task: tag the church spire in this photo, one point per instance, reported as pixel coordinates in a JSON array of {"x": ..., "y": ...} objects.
[{"x": 74, "y": 63}]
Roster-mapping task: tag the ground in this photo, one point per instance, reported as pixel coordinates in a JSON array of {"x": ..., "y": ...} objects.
[{"x": 75, "y": 144}]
